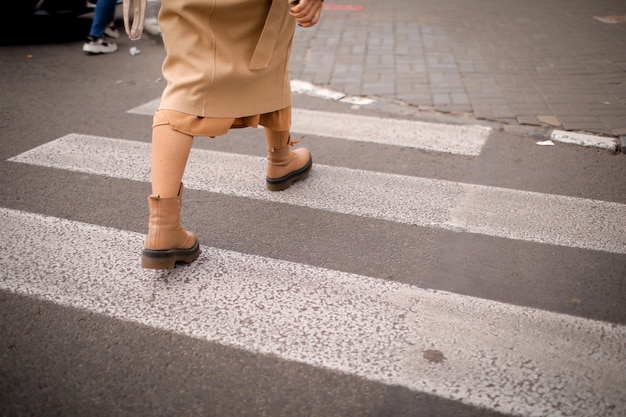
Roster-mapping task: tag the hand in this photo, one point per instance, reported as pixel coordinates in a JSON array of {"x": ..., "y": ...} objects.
[{"x": 307, "y": 12}]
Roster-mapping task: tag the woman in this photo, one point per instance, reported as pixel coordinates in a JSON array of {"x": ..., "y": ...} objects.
[{"x": 226, "y": 67}]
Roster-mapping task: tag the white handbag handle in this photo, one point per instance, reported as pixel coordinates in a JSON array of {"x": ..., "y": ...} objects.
[{"x": 139, "y": 16}]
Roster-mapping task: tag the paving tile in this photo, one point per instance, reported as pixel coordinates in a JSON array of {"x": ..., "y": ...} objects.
[
  {"x": 508, "y": 60},
  {"x": 528, "y": 120}
]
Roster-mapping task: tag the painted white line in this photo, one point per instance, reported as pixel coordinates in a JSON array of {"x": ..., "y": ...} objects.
[
  {"x": 454, "y": 139},
  {"x": 508, "y": 358},
  {"x": 146, "y": 109},
  {"x": 306, "y": 88},
  {"x": 584, "y": 139},
  {"x": 303, "y": 87},
  {"x": 492, "y": 211}
]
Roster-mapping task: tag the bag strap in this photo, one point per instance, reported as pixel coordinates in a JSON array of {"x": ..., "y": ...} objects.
[{"x": 139, "y": 16}]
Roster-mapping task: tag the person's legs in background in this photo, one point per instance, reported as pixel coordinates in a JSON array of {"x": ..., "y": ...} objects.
[{"x": 103, "y": 15}]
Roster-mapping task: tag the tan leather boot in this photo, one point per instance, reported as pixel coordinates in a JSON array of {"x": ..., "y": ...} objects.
[
  {"x": 167, "y": 242},
  {"x": 285, "y": 166}
]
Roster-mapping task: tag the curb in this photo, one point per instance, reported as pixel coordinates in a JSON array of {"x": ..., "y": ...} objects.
[
  {"x": 585, "y": 140},
  {"x": 548, "y": 136}
]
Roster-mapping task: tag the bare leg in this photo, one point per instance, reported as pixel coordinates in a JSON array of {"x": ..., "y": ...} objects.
[{"x": 170, "y": 151}]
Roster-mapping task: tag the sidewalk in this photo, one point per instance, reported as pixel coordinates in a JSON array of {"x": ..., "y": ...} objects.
[{"x": 536, "y": 63}]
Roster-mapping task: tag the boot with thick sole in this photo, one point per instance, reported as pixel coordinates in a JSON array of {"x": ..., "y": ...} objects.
[
  {"x": 167, "y": 242},
  {"x": 285, "y": 166}
]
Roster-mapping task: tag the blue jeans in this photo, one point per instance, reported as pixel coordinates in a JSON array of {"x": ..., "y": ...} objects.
[{"x": 102, "y": 16}]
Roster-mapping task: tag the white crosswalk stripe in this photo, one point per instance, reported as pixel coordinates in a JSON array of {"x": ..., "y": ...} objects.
[
  {"x": 298, "y": 312},
  {"x": 490, "y": 211},
  {"x": 428, "y": 341}
]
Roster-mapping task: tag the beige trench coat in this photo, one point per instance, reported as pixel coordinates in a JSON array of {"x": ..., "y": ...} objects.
[{"x": 226, "y": 58}]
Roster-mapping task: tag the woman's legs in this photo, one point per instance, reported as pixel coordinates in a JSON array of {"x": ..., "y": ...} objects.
[{"x": 167, "y": 242}]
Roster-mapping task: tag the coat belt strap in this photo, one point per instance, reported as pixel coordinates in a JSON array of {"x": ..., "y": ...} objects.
[{"x": 269, "y": 36}]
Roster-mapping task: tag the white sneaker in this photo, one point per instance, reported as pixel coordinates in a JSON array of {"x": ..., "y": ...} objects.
[
  {"x": 111, "y": 31},
  {"x": 98, "y": 46}
]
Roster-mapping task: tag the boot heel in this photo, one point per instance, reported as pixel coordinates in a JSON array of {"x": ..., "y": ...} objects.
[
  {"x": 166, "y": 259},
  {"x": 157, "y": 263}
]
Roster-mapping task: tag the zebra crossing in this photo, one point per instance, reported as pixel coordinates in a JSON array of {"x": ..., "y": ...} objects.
[{"x": 429, "y": 341}]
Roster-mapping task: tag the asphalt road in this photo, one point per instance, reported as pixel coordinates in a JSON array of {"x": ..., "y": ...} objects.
[{"x": 86, "y": 333}]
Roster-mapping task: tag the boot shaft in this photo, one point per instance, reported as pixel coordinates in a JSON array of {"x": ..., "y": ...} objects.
[
  {"x": 281, "y": 160},
  {"x": 278, "y": 144},
  {"x": 164, "y": 229},
  {"x": 285, "y": 166}
]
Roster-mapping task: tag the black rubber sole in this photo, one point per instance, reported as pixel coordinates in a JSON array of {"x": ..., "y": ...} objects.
[{"x": 167, "y": 258}]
